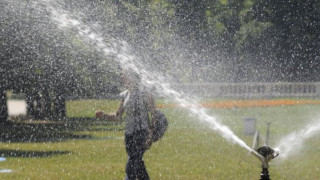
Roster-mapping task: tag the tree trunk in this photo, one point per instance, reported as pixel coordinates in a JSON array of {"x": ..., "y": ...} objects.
[
  {"x": 46, "y": 111},
  {"x": 33, "y": 105},
  {"x": 30, "y": 105},
  {"x": 37, "y": 108},
  {"x": 60, "y": 106},
  {"x": 3, "y": 107}
]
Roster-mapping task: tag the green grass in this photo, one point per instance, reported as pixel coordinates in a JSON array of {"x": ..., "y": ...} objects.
[
  {"x": 88, "y": 149},
  {"x": 87, "y": 108}
]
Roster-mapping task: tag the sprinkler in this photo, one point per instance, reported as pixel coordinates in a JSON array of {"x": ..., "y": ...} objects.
[{"x": 265, "y": 154}]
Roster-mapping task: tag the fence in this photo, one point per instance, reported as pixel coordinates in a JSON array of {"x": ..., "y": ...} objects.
[{"x": 253, "y": 90}]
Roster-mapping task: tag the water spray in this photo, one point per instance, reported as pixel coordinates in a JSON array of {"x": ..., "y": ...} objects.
[
  {"x": 120, "y": 51},
  {"x": 265, "y": 154},
  {"x": 127, "y": 61}
]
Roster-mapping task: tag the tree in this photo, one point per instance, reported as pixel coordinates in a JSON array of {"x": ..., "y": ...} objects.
[
  {"x": 285, "y": 34},
  {"x": 44, "y": 62},
  {"x": 3, "y": 106}
]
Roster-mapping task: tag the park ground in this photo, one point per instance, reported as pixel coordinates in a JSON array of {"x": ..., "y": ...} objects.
[{"x": 82, "y": 147}]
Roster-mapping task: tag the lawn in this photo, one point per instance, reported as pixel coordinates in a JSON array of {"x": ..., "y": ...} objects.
[{"x": 84, "y": 148}]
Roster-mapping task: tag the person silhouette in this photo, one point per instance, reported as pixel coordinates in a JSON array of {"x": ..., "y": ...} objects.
[{"x": 137, "y": 103}]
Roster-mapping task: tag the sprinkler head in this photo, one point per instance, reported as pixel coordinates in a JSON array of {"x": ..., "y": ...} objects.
[
  {"x": 265, "y": 151},
  {"x": 265, "y": 154}
]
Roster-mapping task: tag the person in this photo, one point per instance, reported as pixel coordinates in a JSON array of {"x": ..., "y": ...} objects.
[{"x": 137, "y": 103}]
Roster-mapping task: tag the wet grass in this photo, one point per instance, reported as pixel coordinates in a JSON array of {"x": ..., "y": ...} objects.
[{"x": 83, "y": 148}]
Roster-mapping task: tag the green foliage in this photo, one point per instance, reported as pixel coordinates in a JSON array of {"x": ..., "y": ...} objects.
[
  {"x": 287, "y": 34},
  {"x": 250, "y": 34}
]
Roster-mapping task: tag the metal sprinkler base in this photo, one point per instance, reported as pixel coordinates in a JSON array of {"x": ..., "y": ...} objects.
[{"x": 265, "y": 174}]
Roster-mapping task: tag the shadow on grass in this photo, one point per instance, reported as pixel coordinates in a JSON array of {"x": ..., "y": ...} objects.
[
  {"x": 53, "y": 131},
  {"x": 108, "y": 129},
  {"x": 92, "y": 124},
  {"x": 30, "y": 154}
]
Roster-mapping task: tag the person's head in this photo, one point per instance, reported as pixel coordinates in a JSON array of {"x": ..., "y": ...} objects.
[{"x": 130, "y": 79}]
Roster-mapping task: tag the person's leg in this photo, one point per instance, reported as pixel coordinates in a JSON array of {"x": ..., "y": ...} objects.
[
  {"x": 131, "y": 169},
  {"x": 135, "y": 167},
  {"x": 130, "y": 166},
  {"x": 142, "y": 173}
]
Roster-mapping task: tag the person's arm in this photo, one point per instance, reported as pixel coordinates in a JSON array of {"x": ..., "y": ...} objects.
[
  {"x": 120, "y": 110},
  {"x": 152, "y": 110},
  {"x": 113, "y": 116}
]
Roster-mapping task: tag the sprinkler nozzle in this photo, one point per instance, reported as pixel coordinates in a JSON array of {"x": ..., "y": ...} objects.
[{"x": 265, "y": 154}]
